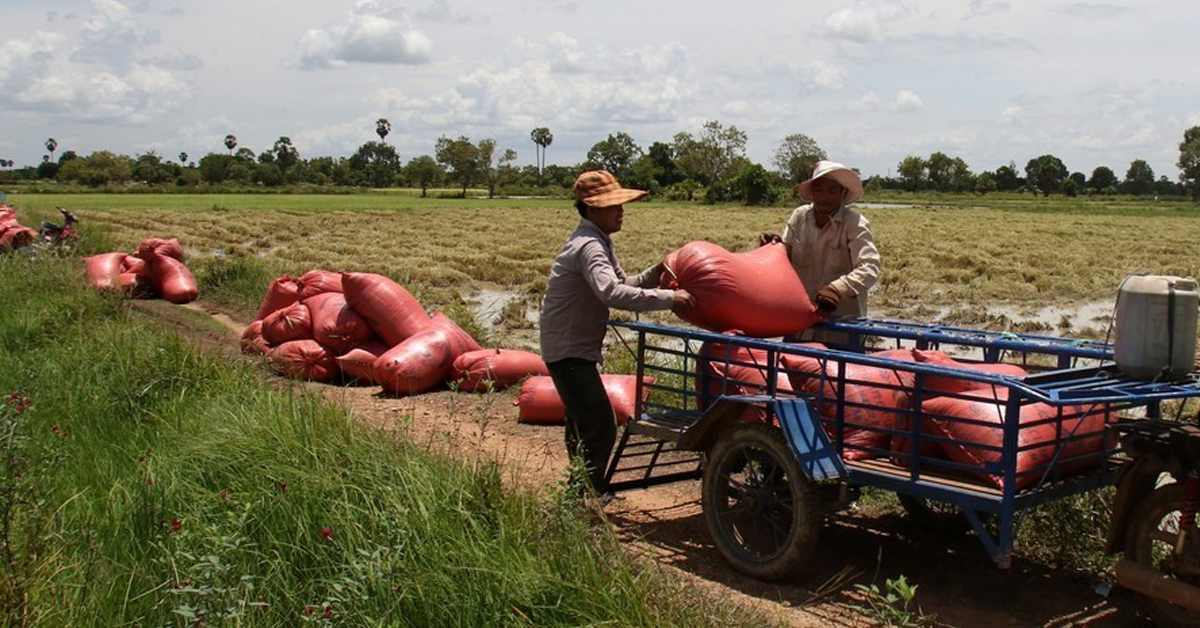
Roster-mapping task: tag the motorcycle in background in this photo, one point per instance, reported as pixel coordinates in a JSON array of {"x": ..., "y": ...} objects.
[{"x": 61, "y": 239}]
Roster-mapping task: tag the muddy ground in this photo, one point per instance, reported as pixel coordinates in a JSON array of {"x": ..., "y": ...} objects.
[{"x": 958, "y": 583}]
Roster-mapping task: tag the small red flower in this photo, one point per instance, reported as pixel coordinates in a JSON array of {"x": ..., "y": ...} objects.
[
  {"x": 176, "y": 525},
  {"x": 224, "y": 495},
  {"x": 327, "y": 533},
  {"x": 283, "y": 486},
  {"x": 309, "y": 609},
  {"x": 15, "y": 396},
  {"x": 328, "y": 612},
  {"x": 146, "y": 456}
]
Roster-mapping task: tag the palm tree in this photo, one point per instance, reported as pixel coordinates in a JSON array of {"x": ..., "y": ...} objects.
[
  {"x": 542, "y": 137},
  {"x": 230, "y": 142},
  {"x": 382, "y": 128},
  {"x": 51, "y": 145},
  {"x": 182, "y": 158}
]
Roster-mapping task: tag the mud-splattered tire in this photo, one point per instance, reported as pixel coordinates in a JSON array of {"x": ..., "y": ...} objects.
[
  {"x": 763, "y": 513},
  {"x": 1153, "y": 531}
]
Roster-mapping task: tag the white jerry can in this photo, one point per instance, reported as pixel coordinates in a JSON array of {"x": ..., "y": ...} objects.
[{"x": 1155, "y": 330}]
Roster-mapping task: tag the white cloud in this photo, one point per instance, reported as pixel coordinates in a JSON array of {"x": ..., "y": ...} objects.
[
  {"x": 1091, "y": 10},
  {"x": 96, "y": 76},
  {"x": 907, "y": 101},
  {"x": 867, "y": 102},
  {"x": 369, "y": 35},
  {"x": 112, "y": 35},
  {"x": 866, "y": 21},
  {"x": 985, "y": 8}
]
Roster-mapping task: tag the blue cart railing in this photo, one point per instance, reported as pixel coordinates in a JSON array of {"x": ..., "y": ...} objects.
[{"x": 921, "y": 410}]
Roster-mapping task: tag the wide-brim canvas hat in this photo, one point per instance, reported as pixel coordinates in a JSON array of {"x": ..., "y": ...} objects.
[
  {"x": 846, "y": 177},
  {"x": 598, "y": 188}
]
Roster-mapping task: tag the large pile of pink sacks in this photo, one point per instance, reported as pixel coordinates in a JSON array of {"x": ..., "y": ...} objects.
[
  {"x": 870, "y": 408},
  {"x": 156, "y": 269},
  {"x": 363, "y": 327},
  {"x": 13, "y": 235}
]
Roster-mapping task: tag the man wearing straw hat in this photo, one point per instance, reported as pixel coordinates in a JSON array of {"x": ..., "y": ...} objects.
[
  {"x": 585, "y": 281},
  {"x": 829, "y": 244}
]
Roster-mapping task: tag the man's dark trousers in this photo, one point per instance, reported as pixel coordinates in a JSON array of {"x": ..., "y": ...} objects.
[{"x": 591, "y": 429}]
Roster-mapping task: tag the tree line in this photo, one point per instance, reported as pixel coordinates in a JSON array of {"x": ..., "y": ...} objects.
[{"x": 709, "y": 165}]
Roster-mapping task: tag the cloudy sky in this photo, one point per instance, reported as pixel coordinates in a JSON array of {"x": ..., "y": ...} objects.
[{"x": 990, "y": 81}]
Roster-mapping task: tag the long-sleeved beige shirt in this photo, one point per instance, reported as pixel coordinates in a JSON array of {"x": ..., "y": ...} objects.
[
  {"x": 585, "y": 281},
  {"x": 842, "y": 253}
]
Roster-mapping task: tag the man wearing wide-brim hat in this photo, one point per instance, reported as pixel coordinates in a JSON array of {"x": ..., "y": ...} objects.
[
  {"x": 585, "y": 281},
  {"x": 829, "y": 244}
]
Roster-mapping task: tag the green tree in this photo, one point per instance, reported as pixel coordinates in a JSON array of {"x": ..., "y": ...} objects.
[
  {"x": 1103, "y": 181},
  {"x": 375, "y": 164},
  {"x": 149, "y": 168},
  {"x": 215, "y": 168},
  {"x": 424, "y": 172},
  {"x": 616, "y": 154},
  {"x": 1007, "y": 178},
  {"x": 285, "y": 154},
  {"x": 939, "y": 170},
  {"x": 912, "y": 171},
  {"x": 230, "y": 143},
  {"x": 99, "y": 168},
  {"x": 1139, "y": 179},
  {"x": 1189, "y": 162},
  {"x": 542, "y": 137},
  {"x": 267, "y": 173},
  {"x": 711, "y": 156},
  {"x": 665, "y": 169},
  {"x": 460, "y": 158},
  {"x": 796, "y": 157},
  {"x": 382, "y": 128},
  {"x": 984, "y": 183},
  {"x": 1046, "y": 174},
  {"x": 51, "y": 145},
  {"x": 756, "y": 187},
  {"x": 505, "y": 171},
  {"x": 487, "y": 164},
  {"x": 961, "y": 177}
]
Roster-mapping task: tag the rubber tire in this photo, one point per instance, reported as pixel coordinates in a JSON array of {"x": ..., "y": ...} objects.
[
  {"x": 772, "y": 531},
  {"x": 1149, "y": 514}
]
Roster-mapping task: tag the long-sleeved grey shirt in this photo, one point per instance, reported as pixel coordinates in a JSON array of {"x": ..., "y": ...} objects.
[
  {"x": 585, "y": 281},
  {"x": 842, "y": 253}
]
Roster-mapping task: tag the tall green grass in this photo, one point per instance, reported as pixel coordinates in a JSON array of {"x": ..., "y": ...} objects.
[{"x": 157, "y": 485}]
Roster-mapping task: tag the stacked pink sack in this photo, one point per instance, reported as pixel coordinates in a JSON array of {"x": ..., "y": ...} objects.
[
  {"x": 156, "y": 269},
  {"x": 365, "y": 327}
]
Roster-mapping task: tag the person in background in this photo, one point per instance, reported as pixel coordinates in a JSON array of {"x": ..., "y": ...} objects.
[
  {"x": 585, "y": 281},
  {"x": 830, "y": 245}
]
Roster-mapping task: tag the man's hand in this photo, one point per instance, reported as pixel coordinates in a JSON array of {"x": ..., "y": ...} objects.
[
  {"x": 683, "y": 302},
  {"x": 767, "y": 238},
  {"x": 828, "y": 298}
]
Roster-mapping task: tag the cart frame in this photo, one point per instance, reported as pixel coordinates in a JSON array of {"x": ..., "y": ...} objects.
[{"x": 683, "y": 418}]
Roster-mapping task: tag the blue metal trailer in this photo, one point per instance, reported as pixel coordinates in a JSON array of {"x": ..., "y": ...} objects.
[{"x": 782, "y": 434}]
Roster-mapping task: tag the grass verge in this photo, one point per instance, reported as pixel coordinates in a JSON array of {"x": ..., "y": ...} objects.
[{"x": 147, "y": 483}]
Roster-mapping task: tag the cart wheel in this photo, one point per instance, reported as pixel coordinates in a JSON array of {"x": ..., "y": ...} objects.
[
  {"x": 763, "y": 513},
  {"x": 934, "y": 514},
  {"x": 1153, "y": 531}
]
